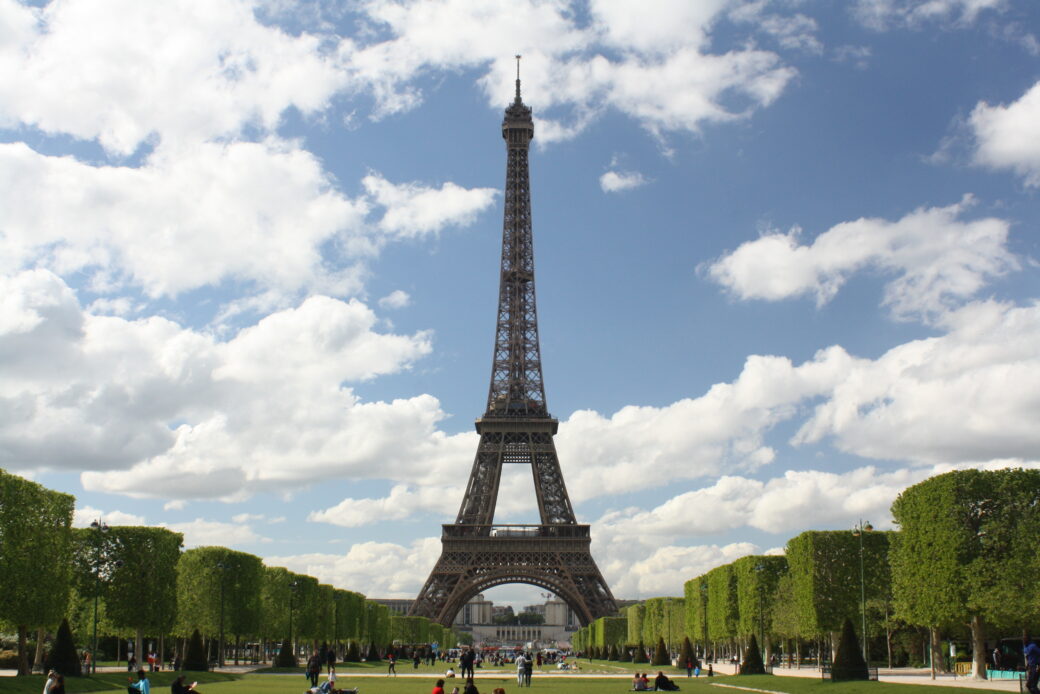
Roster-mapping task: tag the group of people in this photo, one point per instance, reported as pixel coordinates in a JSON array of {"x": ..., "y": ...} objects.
[
  {"x": 470, "y": 688},
  {"x": 524, "y": 669},
  {"x": 641, "y": 683}
]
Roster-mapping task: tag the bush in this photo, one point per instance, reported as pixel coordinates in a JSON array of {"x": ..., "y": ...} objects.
[
  {"x": 285, "y": 657},
  {"x": 640, "y": 654},
  {"x": 752, "y": 664},
  {"x": 848, "y": 663},
  {"x": 8, "y": 660},
  {"x": 661, "y": 655},
  {"x": 195, "y": 655},
  {"x": 373, "y": 654},
  {"x": 353, "y": 653},
  {"x": 62, "y": 656},
  {"x": 686, "y": 654}
]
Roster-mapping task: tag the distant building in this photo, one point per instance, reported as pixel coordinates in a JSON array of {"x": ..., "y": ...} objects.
[{"x": 396, "y": 605}]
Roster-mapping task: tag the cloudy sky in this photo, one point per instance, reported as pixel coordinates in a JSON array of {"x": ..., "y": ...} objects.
[{"x": 786, "y": 254}]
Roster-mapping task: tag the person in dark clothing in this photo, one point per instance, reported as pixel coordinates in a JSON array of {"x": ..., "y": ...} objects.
[
  {"x": 314, "y": 668},
  {"x": 178, "y": 687},
  {"x": 663, "y": 684},
  {"x": 1031, "y": 653},
  {"x": 470, "y": 687}
]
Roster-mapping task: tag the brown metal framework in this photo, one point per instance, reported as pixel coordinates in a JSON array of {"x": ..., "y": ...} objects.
[{"x": 516, "y": 428}]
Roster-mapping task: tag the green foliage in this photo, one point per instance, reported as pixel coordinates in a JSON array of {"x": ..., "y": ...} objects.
[
  {"x": 409, "y": 630},
  {"x": 752, "y": 664},
  {"x": 35, "y": 542},
  {"x": 825, "y": 571},
  {"x": 639, "y": 656},
  {"x": 635, "y": 615},
  {"x": 967, "y": 547},
  {"x": 696, "y": 609},
  {"x": 661, "y": 656},
  {"x": 722, "y": 612},
  {"x": 757, "y": 579},
  {"x": 663, "y": 618},
  {"x": 373, "y": 653},
  {"x": 307, "y": 603},
  {"x": 62, "y": 656},
  {"x": 141, "y": 592},
  {"x": 195, "y": 654},
  {"x": 275, "y": 598},
  {"x": 377, "y": 623},
  {"x": 285, "y": 657},
  {"x": 848, "y": 662},
  {"x": 200, "y": 581},
  {"x": 353, "y": 652}
]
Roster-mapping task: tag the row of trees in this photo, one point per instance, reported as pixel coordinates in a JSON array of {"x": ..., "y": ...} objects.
[
  {"x": 135, "y": 582},
  {"x": 963, "y": 563}
]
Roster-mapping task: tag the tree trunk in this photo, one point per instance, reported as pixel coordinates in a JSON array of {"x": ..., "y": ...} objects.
[
  {"x": 768, "y": 646},
  {"x": 41, "y": 634},
  {"x": 938, "y": 664},
  {"x": 835, "y": 639},
  {"x": 23, "y": 656},
  {"x": 141, "y": 656},
  {"x": 978, "y": 646}
]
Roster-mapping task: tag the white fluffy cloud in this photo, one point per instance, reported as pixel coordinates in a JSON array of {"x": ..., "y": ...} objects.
[
  {"x": 205, "y": 533},
  {"x": 1008, "y": 137},
  {"x": 880, "y": 14},
  {"x": 185, "y": 70},
  {"x": 413, "y": 209},
  {"x": 939, "y": 260},
  {"x": 82, "y": 517},
  {"x": 150, "y": 408},
  {"x": 617, "y": 181},
  {"x": 387, "y": 570},
  {"x": 641, "y": 572}
]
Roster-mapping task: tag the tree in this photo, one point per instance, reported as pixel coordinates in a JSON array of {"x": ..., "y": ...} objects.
[
  {"x": 752, "y": 664},
  {"x": 286, "y": 656},
  {"x": 966, "y": 553},
  {"x": 686, "y": 654},
  {"x": 63, "y": 657},
  {"x": 635, "y": 615},
  {"x": 661, "y": 656},
  {"x": 722, "y": 610},
  {"x": 195, "y": 655},
  {"x": 757, "y": 580},
  {"x": 276, "y": 597},
  {"x": 142, "y": 589},
  {"x": 640, "y": 655},
  {"x": 696, "y": 609},
  {"x": 848, "y": 663},
  {"x": 35, "y": 537}
]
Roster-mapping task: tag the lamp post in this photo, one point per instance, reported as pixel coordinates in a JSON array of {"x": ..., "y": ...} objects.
[
  {"x": 222, "y": 567},
  {"x": 292, "y": 596},
  {"x": 101, "y": 529},
  {"x": 760, "y": 570},
  {"x": 858, "y": 531}
]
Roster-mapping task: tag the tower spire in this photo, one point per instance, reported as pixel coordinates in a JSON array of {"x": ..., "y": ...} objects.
[{"x": 518, "y": 79}]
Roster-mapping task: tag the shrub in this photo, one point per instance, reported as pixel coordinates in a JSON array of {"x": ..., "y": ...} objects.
[
  {"x": 353, "y": 653},
  {"x": 640, "y": 655},
  {"x": 195, "y": 656},
  {"x": 373, "y": 654},
  {"x": 661, "y": 655},
  {"x": 62, "y": 656},
  {"x": 848, "y": 662},
  {"x": 686, "y": 654},
  {"x": 286, "y": 657},
  {"x": 752, "y": 664}
]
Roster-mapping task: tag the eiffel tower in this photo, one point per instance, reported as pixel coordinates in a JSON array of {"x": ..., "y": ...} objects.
[{"x": 516, "y": 429}]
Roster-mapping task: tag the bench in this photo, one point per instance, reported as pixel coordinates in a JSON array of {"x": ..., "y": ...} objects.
[{"x": 825, "y": 672}]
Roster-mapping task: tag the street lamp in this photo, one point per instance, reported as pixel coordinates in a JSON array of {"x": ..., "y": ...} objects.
[
  {"x": 101, "y": 529},
  {"x": 292, "y": 595},
  {"x": 858, "y": 531},
  {"x": 222, "y": 567},
  {"x": 760, "y": 570}
]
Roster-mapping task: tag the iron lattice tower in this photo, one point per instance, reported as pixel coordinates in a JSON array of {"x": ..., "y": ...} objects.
[{"x": 516, "y": 428}]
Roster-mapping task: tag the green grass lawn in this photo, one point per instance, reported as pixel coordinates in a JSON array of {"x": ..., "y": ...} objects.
[{"x": 107, "y": 682}]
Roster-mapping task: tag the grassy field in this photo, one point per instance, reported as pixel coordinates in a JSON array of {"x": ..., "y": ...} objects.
[{"x": 295, "y": 683}]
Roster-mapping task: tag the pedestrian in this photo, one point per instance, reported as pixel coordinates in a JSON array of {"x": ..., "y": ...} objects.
[
  {"x": 520, "y": 663},
  {"x": 391, "y": 666},
  {"x": 710, "y": 673},
  {"x": 314, "y": 668},
  {"x": 1031, "y": 653},
  {"x": 689, "y": 667},
  {"x": 415, "y": 659},
  {"x": 52, "y": 678},
  {"x": 142, "y": 684},
  {"x": 330, "y": 659},
  {"x": 529, "y": 668}
]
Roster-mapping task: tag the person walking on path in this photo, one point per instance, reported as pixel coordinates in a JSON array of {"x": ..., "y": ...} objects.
[
  {"x": 391, "y": 668},
  {"x": 521, "y": 662},
  {"x": 314, "y": 668},
  {"x": 529, "y": 669},
  {"x": 1031, "y": 653}
]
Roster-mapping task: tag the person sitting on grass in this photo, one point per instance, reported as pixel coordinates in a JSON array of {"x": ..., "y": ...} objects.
[
  {"x": 438, "y": 688},
  {"x": 141, "y": 686},
  {"x": 178, "y": 686},
  {"x": 663, "y": 684},
  {"x": 470, "y": 687},
  {"x": 638, "y": 683}
]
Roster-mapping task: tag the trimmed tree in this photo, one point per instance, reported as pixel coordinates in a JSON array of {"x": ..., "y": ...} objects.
[
  {"x": 849, "y": 664},
  {"x": 353, "y": 653},
  {"x": 661, "y": 656},
  {"x": 686, "y": 654},
  {"x": 640, "y": 655},
  {"x": 62, "y": 656},
  {"x": 286, "y": 657},
  {"x": 752, "y": 664},
  {"x": 195, "y": 656}
]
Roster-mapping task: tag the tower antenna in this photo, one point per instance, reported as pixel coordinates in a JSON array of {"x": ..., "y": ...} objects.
[{"x": 518, "y": 77}]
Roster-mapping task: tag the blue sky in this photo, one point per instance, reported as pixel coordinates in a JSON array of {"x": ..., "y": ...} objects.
[{"x": 785, "y": 250}]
